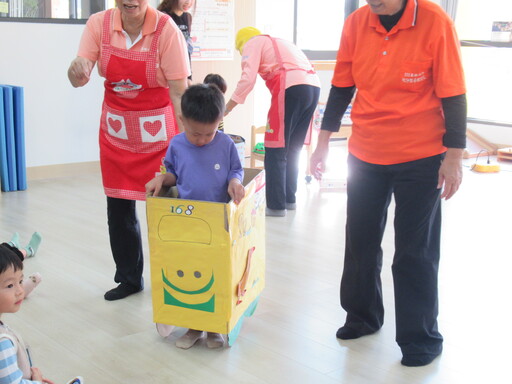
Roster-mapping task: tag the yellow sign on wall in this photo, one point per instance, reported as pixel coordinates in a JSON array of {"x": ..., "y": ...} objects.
[
  {"x": 4, "y": 7},
  {"x": 208, "y": 259}
]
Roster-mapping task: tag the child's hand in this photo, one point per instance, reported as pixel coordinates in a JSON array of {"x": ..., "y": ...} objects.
[
  {"x": 38, "y": 376},
  {"x": 154, "y": 186},
  {"x": 236, "y": 190}
]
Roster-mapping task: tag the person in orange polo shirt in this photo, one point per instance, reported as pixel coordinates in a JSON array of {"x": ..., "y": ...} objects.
[{"x": 408, "y": 135}]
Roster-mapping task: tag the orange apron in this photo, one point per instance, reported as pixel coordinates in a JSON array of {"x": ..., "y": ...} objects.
[
  {"x": 276, "y": 84},
  {"x": 137, "y": 119}
]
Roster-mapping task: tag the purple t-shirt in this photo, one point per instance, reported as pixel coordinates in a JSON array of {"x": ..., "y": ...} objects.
[{"x": 203, "y": 173}]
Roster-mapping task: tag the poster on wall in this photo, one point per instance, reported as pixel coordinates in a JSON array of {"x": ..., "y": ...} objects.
[
  {"x": 213, "y": 30},
  {"x": 501, "y": 31}
]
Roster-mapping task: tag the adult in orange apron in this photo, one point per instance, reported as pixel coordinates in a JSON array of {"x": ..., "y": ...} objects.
[{"x": 137, "y": 122}]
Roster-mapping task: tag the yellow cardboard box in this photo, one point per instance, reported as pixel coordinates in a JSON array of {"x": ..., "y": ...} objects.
[{"x": 208, "y": 259}]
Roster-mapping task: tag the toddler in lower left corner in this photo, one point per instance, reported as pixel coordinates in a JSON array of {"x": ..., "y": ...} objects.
[
  {"x": 30, "y": 250},
  {"x": 15, "y": 362}
]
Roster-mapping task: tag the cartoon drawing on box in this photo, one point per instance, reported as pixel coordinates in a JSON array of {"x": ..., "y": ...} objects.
[
  {"x": 245, "y": 225},
  {"x": 188, "y": 277},
  {"x": 190, "y": 287}
]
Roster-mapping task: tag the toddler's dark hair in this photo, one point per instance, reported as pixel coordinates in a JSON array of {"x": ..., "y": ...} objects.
[
  {"x": 203, "y": 103},
  {"x": 9, "y": 258},
  {"x": 218, "y": 80}
]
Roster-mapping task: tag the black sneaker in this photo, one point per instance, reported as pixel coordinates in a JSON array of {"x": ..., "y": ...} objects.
[
  {"x": 121, "y": 291},
  {"x": 419, "y": 360}
]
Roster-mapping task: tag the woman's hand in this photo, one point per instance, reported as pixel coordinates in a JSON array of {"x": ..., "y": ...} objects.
[
  {"x": 79, "y": 72},
  {"x": 229, "y": 107},
  {"x": 450, "y": 173},
  {"x": 236, "y": 190},
  {"x": 319, "y": 156}
]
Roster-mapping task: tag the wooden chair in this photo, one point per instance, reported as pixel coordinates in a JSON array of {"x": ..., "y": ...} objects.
[{"x": 257, "y": 132}]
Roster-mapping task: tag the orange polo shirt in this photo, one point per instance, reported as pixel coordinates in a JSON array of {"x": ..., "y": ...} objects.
[{"x": 400, "y": 76}]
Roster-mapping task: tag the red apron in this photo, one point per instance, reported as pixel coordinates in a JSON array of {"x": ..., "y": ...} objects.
[
  {"x": 137, "y": 119},
  {"x": 276, "y": 84}
]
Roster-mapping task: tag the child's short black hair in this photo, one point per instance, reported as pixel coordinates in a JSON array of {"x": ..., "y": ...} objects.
[
  {"x": 203, "y": 103},
  {"x": 218, "y": 80},
  {"x": 10, "y": 257}
]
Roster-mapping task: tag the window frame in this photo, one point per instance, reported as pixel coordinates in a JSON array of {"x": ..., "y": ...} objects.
[
  {"x": 350, "y": 6},
  {"x": 73, "y": 6}
]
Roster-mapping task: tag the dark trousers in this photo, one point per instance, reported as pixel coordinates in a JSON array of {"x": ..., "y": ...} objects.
[
  {"x": 125, "y": 241},
  {"x": 415, "y": 266},
  {"x": 282, "y": 164}
]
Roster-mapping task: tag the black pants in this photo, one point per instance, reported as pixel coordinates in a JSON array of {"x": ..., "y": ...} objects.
[
  {"x": 415, "y": 266},
  {"x": 282, "y": 164},
  {"x": 125, "y": 241}
]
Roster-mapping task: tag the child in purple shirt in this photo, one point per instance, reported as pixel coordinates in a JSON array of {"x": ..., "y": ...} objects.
[{"x": 203, "y": 163}]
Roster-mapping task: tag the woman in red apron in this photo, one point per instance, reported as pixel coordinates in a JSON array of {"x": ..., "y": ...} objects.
[
  {"x": 295, "y": 89},
  {"x": 143, "y": 57}
]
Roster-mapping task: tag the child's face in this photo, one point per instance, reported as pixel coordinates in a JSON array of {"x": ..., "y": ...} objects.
[
  {"x": 199, "y": 133},
  {"x": 11, "y": 290}
]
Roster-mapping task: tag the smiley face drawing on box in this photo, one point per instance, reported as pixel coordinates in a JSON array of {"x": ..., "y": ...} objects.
[
  {"x": 188, "y": 277},
  {"x": 189, "y": 287}
]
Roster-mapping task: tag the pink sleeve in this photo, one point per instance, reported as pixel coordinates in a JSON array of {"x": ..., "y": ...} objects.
[
  {"x": 174, "y": 61},
  {"x": 91, "y": 37},
  {"x": 251, "y": 61}
]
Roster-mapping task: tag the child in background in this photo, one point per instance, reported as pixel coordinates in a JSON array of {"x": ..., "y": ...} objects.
[
  {"x": 203, "y": 163},
  {"x": 218, "y": 80},
  {"x": 178, "y": 10},
  {"x": 29, "y": 250},
  {"x": 15, "y": 364}
]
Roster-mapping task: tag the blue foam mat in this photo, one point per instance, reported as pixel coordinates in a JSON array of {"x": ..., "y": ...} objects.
[
  {"x": 9, "y": 137},
  {"x": 19, "y": 137},
  {"x": 12, "y": 139},
  {"x": 4, "y": 173}
]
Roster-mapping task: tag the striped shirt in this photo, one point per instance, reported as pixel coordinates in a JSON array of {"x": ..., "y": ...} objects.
[{"x": 9, "y": 370}]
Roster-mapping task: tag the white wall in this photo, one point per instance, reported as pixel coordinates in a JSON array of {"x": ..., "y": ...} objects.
[{"x": 61, "y": 122}]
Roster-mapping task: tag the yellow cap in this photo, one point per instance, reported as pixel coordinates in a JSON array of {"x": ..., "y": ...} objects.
[{"x": 243, "y": 37}]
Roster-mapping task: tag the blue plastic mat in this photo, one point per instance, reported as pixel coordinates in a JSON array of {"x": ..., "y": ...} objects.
[{"x": 12, "y": 139}]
